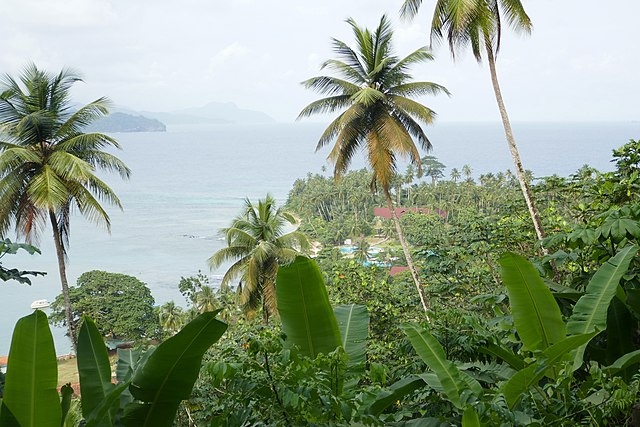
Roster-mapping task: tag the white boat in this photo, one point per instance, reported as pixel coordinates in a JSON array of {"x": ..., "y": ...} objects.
[{"x": 41, "y": 303}]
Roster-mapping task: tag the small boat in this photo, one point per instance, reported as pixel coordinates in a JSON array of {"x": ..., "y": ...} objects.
[{"x": 41, "y": 303}]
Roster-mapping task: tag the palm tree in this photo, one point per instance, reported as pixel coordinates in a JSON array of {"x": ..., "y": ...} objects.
[
  {"x": 257, "y": 244},
  {"x": 373, "y": 90},
  {"x": 206, "y": 299},
  {"x": 467, "y": 172},
  {"x": 171, "y": 317},
  {"x": 479, "y": 24},
  {"x": 48, "y": 165},
  {"x": 361, "y": 254},
  {"x": 455, "y": 175}
]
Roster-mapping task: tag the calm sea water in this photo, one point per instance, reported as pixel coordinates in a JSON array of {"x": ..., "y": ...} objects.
[{"x": 190, "y": 181}]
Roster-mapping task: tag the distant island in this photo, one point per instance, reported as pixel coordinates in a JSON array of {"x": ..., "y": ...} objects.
[{"x": 123, "y": 122}]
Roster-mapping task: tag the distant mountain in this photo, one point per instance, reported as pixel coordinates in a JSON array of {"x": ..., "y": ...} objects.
[
  {"x": 123, "y": 122},
  {"x": 212, "y": 113}
]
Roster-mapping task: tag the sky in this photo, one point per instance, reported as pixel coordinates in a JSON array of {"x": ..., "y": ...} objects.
[{"x": 581, "y": 62}]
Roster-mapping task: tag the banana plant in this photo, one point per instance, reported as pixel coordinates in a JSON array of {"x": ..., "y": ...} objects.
[
  {"x": 308, "y": 320},
  {"x": 156, "y": 382},
  {"x": 546, "y": 339}
]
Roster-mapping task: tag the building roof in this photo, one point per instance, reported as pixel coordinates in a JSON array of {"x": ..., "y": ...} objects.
[
  {"x": 397, "y": 269},
  {"x": 386, "y": 212}
]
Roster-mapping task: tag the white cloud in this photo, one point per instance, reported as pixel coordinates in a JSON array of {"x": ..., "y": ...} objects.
[{"x": 232, "y": 52}]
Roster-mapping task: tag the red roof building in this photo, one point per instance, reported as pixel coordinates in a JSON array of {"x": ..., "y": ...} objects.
[
  {"x": 386, "y": 212},
  {"x": 397, "y": 269}
]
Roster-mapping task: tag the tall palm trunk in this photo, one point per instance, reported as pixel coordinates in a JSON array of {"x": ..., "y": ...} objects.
[
  {"x": 63, "y": 279},
  {"x": 407, "y": 254},
  {"x": 513, "y": 148}
]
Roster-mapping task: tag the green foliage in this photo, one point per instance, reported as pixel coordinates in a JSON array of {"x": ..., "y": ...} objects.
[
  {"x": 536, "y": 315},
  {"x": 122, "y": 304},
  {"x": 6, "y": 274},
  {"x": 334, "y": 210},
  {"x": 303, "y": 304},
  {"x": 30, "y": 394},
  {"x": 168, "y": 375},
  {"x": 453, "y": 382},
  {"x": 94, "y": 370},
  {"x": 257, "y": 245},
  {"x": 353, "y": 321},
  {"x": 157, "y": 383}
]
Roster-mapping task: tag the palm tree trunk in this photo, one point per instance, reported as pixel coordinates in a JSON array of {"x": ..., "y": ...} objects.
[
  {"x": 513, "y": 148},
  {"x": 63, "y": 280},
  {"x": 407, "y": 254}
]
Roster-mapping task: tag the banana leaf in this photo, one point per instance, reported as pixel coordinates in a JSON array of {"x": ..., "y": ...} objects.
[
  {"x": 169, "y": 373},
  {"x": 453, "y": 381},
  {"x": 536, "y": 314},
  {"x": 303, "y": 304},
  {"x": 523, "y": 380},
  {"x": 353, "y": 321},
  {"x": 395, "y": 392},
  {"x": 30, "y": 388},
  {"x": 619, "y": 333},
  {"x": 590, "y": 312},
  {"x": 94, "y": 370},
  {"x": 623, "y": 362}
]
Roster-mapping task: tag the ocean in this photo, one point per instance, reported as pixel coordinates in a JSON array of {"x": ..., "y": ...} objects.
[{"x": 190, "y": 181}]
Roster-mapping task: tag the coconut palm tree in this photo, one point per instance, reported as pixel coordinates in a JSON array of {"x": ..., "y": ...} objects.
[
  {"x": 257, "y": 243},
  {"x": 373, "y": 93},
  {"x": 455, "y": 175},
  {"x": 171, "y": 317},
  {"x": 48, "y": 164},
  {"x": 479, "y": 24},
  {"x": 206, "y": 299},
  {"x": 361, "y": 253},
  {"x": 467, "y": 172}
]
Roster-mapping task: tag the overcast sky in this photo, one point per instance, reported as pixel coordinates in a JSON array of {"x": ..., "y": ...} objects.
[{"x": 581, "y": 63}]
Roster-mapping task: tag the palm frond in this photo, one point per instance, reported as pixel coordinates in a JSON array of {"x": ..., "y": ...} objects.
[
  {"x": 410, "y": 8},
  {"x": 418, "y": 89},
  {"x": 84, "y": 117},
  {"x": 47, "y": 189},
  {"x": 325, "y": 105}
]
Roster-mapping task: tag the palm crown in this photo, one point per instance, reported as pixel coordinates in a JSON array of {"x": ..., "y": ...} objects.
[
  {"x": 476, "y": 23},
  {"x": 373, "y": 89},
  {"x": 47, "y": 164},
  {"x": 257, "y": 244}
]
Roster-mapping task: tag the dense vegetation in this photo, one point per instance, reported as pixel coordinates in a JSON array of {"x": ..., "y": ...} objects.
[{"x": 519, "y": 329}]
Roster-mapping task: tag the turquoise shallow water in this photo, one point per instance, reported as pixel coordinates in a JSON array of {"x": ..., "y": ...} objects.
[{"x": 190, "y": 181}]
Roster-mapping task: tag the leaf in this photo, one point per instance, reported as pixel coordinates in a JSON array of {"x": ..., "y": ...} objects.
[
  {"x": 523, "y": 380},
  {"x": 590, "y": 312},
  {"x": 127, "y": 361},
  {"x": 619, "y": 334},
  {"x": 169, "y": 373},
  {"x": 536, "y": 314},
  {"x": 353, "y": 321},
  {"x": 470, "y": 418},
  {"x": 101, "y": 412},
  {"x": 66, "y": 391},
  {"x": 431, "y": 352},
  {"x": 94, "y": 370},
  {"x": 618, "y": 228},
  {"x": 623, "y": 362},
  {"x": 515, "y": 361},
  {"x": 30, "y": 389},
  {"x": 306, "y": 314},
  {"x": 395, "y": 392}
]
